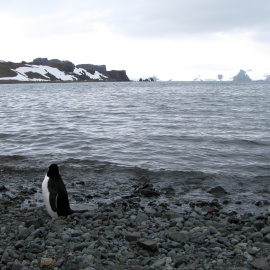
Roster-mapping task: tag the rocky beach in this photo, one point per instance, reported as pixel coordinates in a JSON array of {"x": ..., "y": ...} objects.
[
  {"x": 125, "y": 234},
  {"x": 171, "y": 175}
]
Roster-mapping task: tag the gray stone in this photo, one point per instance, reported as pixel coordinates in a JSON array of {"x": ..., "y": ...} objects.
[
  {"x": 253, "y": 250},
  {"x": 218, "y": 190},
  {"x": 20, "y": 244},
  {"x": 148, "y": 244},
  {"x": 178, "y": 237},
  {"x": 265, "y": 230},
  {"x": 17, "y": 266},
  {"x": 30, "y": 256},
  {"x": 260, "y": 263},
  {"x": 158, "y": 263},
  {"x": 5, "y": 257},
  {"x": 267, "y": 238},
  {"x": 80, "y": 246},
  {"x": 133, "y": 236},
  {"x": 34, "y": 248},
  {"x": 257, "y": 236},
  {"x": 141, "y": 217},
  {"x": 24, "y": 233},
  {"x": 212, "y": 230}
]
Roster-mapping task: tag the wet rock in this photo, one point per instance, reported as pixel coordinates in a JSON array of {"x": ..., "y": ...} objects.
[
  {"x": 218, "y": 190},
  {"x": 147, "y": 190}
]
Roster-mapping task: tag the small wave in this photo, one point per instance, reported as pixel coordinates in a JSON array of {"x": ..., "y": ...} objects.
[{"x": 6, "y": 135}]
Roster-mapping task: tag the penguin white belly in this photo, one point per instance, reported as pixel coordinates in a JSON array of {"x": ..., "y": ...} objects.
[{"x": 46, "y": 198}]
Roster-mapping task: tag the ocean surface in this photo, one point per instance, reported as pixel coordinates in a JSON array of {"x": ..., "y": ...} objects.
[{"x": 186, "y": 137}]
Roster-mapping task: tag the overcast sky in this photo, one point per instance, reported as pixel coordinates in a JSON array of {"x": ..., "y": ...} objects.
[{"x": 172, "y": 39}]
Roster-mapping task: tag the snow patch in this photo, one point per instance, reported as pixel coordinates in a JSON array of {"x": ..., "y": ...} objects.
[{"x": 96, "y": 75}]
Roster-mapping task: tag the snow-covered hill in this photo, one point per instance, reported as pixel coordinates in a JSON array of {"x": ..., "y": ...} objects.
[
  {"x": 56, "y": 70},
  {"x": 46, "y": 73}
]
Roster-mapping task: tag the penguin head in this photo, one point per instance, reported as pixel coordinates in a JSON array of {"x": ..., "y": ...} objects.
[{"x": 53, "y": 171}]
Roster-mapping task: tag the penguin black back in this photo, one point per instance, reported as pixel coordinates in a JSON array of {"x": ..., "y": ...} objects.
[{"x": 55, "y": 194}]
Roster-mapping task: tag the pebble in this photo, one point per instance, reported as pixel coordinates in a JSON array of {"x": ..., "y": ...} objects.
[{"x": 122, "y": 235}]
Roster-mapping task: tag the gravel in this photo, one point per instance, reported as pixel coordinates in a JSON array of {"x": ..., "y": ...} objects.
[{"x": 126, "y": 235}]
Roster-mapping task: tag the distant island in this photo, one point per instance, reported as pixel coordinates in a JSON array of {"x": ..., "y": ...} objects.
[
  {"x": 55, "y": 70},
  {"x": 242, "y": 76}
]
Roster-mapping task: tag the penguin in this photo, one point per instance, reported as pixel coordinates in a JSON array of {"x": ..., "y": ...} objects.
[{"x": 54, "y": 193}]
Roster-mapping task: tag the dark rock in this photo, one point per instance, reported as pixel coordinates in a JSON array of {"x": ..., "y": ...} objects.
[
  {"x": 218, "y": 190},
  {"x": 80, "y": 247},
  {"x": 20, "y": 244},
  {"x": 41, "y": 61},
  {"x": 16, "y": 266},
  {"x": 144, "y": 179},
  {"x": 169, "y": 190},
  {"x": 178, "y": 237},
  {"x": 147, "y": 190},
  {"x": 141, "y": 217},
  {"x": 257, "y": 236},
  {"x": 38, "y": 222},
  {"x": 80, "y": 183},
  {"x": 34, "y": 248},
  {"x": 3, "y": 188},
  {"x": 148, "y": 244},
  {"x": 133, "y": 236},
  {"x": 180, "y": 260},
  {"x": 24, "y": 233},
  {"x": 260, "y": 263},
  {"x": 91, "y": 68},
  {"x": 118, "y": 75}
]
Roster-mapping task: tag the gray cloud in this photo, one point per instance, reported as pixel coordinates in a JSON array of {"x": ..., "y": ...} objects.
[
  {"x": 153, "y": 18},
  {"x": 175, "y": 18}
]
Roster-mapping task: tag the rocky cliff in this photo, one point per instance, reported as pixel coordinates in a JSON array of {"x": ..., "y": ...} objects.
[{"x": 43, "y": 69}]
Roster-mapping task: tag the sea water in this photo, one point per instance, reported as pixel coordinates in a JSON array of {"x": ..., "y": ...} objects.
[{"x": 185, "y": 135}]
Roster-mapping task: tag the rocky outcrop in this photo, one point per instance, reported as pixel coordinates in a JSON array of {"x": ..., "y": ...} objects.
[
  {"x": 118, "y": 75},
  {"x": 65, "y": 66},
  {"x": 90, "y": 68},
  {"x": 7, "y": 69},
  {"x": 115, "y": 75},
  {"x": 242, "y": 77}
]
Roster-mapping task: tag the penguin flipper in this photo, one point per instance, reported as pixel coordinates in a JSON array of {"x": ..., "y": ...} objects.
[{"x": 63, "y": 208}]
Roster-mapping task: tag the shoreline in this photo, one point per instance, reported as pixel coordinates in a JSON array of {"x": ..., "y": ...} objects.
[
  {"x": 48, "y": 82},
  {"x": 126, "y": 235}
]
